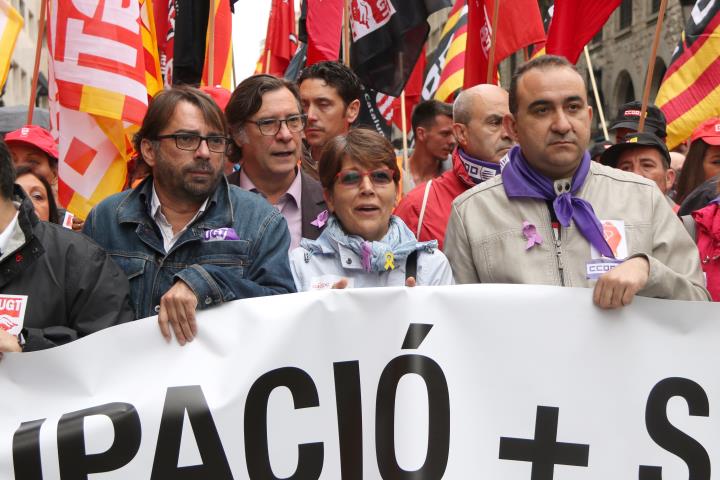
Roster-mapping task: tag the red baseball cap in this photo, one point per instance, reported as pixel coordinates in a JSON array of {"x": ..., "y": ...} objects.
[
  {"x": 35, "y": 136},
  {"x": 708, "y": 131},
  {"x": 219, "y": 94}
]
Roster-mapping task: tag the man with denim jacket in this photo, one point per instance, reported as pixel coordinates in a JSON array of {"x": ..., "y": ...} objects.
[{"x": 184, "y": 237}]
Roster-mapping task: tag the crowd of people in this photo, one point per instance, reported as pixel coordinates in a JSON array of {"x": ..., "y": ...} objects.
[{"x": 273, "y": 189}]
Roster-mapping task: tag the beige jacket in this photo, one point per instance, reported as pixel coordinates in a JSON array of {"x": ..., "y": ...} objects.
[{"x": 485, "y": 243}]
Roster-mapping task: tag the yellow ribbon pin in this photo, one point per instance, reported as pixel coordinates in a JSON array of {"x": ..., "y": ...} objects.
[{"x": 389, "y": 261}]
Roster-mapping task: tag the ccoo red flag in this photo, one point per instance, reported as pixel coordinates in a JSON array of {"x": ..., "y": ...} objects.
[
  {"x": 574, "y": 24},
  {"x": 519, "y": 25}
]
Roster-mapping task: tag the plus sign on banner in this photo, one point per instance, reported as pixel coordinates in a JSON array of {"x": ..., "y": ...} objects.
[{"x": 463, "y": 382}]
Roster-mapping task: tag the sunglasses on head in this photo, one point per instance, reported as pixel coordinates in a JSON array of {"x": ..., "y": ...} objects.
[{"x": 353, "y": 178}]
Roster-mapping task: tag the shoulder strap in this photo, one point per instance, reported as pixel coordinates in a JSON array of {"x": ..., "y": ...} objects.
[
  {"x": 422, "y": 208},
  {"x": 411, "y": 265},
  {"x": 689, "y": 223}
]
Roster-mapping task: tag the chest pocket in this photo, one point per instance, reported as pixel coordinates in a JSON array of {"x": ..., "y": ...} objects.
[
  {"x": 134, "y": 268},
  {"x": 229, "y": 253}
]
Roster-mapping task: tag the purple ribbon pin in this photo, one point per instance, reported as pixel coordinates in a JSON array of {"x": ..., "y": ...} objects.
[
  {"x": 531, "y": 234},
  {"x": 321, "y": 219},
  {"x": 220, "y": 234}
]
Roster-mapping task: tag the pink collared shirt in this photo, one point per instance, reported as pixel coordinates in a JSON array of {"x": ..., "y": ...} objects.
[{"x": 288, "y": 205}]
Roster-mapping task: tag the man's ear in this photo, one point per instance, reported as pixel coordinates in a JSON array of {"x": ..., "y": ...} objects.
[
  {"x": 147, "y": 150},
  {"x": 669, "y": 178},
  {"x": 460, "y": 134},
  {"x": 510, "y": 126},
  {"x": 420, "y": 134},
  {"x": 327, "y": 195},
  {"x": 352, "y": 111}
]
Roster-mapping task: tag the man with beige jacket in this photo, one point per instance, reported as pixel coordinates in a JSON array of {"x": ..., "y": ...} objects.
[{"x": 554, "y": 217}]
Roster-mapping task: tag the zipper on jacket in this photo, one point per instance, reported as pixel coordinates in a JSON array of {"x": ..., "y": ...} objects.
[{"x": 557, "y": 242}]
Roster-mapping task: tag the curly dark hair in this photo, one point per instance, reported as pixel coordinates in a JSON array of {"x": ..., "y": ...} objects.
[{"x": 336, "y": 75}]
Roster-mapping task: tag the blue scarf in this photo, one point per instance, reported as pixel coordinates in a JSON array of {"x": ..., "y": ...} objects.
[
  {"x": 522, "y": 181},
  {"x": 377, "y": 256}
]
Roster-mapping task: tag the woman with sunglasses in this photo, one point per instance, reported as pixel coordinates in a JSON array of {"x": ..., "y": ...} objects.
[{"x": 363, "y": 244}]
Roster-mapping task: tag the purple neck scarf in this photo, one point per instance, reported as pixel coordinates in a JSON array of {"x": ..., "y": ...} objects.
[{"x": 521, "y": 181}]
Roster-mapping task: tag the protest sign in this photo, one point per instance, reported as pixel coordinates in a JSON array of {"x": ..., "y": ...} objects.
[{"x": 471, "y": 381}]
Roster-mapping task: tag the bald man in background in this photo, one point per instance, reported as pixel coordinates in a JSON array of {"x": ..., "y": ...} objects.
[{"x": 482, "y": 143}]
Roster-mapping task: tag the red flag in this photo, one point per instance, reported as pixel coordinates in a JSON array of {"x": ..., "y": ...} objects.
[
  {"x": 280, "y": 41},
  {"x": 222, "y": 48},
  {"x": 575, "y": 23},
  {"x": 324, "y": 28},
  {"x": 511, "y": 36},
  {"x": 413, "y": 94}
]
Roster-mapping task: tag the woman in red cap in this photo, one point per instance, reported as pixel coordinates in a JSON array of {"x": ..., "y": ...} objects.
[
  {"x": 703, "y": 158},
  {"x": 34, "y": 147}
]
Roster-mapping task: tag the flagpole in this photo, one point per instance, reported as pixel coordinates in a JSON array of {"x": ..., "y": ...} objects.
[
  {"x": 346, "y": 33},
  {"x": 268, "y": 57},
  {"x": 596, "y": 93},
  {"x": 403, "y": 123},
  {"x": 211, "y": 45},
  {"x": 651, "y": 65},
  {"x": 234, "y": 73},
  {"x": 36, "y": 69},
  {"x": 491, "y": 59}
]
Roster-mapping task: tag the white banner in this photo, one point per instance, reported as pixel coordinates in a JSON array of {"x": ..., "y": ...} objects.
[{"x": 463, "y": 382}]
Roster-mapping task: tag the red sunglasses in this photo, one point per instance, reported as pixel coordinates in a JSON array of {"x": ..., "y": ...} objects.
[{"x": 352, "y": 177}]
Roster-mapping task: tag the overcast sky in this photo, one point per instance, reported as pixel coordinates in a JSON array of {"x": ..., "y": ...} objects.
[{"x": 249, "y": 28}]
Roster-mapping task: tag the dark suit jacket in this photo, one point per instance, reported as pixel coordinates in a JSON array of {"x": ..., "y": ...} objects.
[{"x": 312, "y": 202}]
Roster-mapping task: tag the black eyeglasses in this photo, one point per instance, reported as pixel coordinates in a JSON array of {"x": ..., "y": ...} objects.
[
  {"x": 191, "y": 141},
  {"x": 271, "y": 126}
]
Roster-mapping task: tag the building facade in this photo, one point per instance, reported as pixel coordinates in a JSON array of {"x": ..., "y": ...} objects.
[
  {"x": 18, "y": 85},
  {"x": 620, "y": 54}
]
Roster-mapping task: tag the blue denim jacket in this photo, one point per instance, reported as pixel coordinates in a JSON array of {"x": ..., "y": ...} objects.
[{"x": 254, "y": 265}]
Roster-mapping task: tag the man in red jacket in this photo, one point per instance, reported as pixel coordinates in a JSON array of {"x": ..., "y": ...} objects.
[{"x": 482, "y": 143}]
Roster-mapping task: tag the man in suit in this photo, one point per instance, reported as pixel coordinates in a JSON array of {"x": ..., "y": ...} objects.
[{"x": 266, "y": 123}]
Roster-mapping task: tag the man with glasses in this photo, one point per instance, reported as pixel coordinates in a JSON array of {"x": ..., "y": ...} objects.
[
  {"x": 184, "y": 237},
  {"x": 266, "y": 124}
]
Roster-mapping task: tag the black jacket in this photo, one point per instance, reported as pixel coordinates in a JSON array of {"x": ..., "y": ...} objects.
[
  {"x": 73, "y": 287},
  {"x": 703, "y": 194}
]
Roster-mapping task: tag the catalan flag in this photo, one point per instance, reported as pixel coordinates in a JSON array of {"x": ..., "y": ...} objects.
[
  {"x": 10, "y": 25},
  {"x": 98, "y": 95},
  {"x": 447, "y": 65},
  {"x": 153, "y": 74},
  {"x": 222, "y": 48},
  {"x": 690, "y": 90}
]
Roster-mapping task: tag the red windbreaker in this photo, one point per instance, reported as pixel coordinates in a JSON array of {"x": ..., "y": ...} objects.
[
  {"x": 443, "y": 191},
  {"x": 707, "y": 233}
]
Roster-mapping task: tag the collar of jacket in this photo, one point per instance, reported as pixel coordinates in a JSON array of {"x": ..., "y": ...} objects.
[
  {"x": 20, "y": 260},
  {"x": 459, "y": 169},
  {"x": 135, "y": 208}
]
